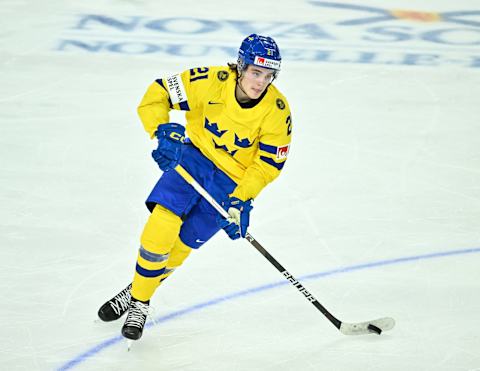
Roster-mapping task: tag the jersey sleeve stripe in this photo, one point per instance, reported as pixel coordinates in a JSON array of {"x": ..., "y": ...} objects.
[
  {"x": 160, "y": 82},
  {"x": 268, "y": 148},
  {"x": 184, "y": 106},
  {"x": 271, "y": 162}
]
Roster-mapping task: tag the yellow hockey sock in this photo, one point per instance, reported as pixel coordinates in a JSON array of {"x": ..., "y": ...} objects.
[
  {"x": 177, "y": 256},
  {"x": 157, "y": 240}
]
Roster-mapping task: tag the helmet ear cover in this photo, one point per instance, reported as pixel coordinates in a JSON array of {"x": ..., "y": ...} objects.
[{"x": 260, "y": 51}]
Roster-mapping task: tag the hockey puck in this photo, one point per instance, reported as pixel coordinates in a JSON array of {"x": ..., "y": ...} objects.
[{"x": 375, "y": 329}]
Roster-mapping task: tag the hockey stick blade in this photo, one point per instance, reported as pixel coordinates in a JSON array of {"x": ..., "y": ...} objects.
[{"x": 377, "y": 326}]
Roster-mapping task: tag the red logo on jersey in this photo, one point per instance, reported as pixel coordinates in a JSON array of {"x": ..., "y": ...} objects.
[{"x": 282, "y": 152}]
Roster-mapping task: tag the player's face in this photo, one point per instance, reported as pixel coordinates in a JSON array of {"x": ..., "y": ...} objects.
[{"x": 255, "y": 80}]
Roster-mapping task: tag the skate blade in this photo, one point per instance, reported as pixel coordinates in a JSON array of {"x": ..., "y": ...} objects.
[{"x": 129, "y": 344}]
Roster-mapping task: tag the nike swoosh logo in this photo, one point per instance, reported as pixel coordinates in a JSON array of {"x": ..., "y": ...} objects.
[
  {"x": 210, "y": 102},
  {"x": 199, "y": 241}
]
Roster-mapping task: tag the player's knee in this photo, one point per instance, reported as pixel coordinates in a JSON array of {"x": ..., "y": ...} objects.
[
  {"x": 179, "y": 253},
  {"x": 161, "y": 230}
]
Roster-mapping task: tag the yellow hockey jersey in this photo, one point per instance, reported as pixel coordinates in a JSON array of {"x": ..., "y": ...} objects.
[{"x": 249, "y": 144}]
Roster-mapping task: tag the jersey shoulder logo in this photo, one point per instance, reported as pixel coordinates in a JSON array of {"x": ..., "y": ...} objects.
[
  {"x": 280, "y": 104},
  {"x": 222, "y": 75}
]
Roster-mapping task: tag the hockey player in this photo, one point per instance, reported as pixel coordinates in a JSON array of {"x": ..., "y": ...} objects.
[{"x": 235, "y": 142}]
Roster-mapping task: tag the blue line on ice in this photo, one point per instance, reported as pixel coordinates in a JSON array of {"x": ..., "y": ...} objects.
[{"x": 77, "y": 360}]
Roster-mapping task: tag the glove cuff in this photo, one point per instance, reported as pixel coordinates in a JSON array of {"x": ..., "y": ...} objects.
[
  {"x": 172, "y": 131},
  {"x": 235, "y": 202}
]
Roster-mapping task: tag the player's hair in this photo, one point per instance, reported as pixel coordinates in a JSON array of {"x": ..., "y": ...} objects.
[{"x": 234, "y": 68}]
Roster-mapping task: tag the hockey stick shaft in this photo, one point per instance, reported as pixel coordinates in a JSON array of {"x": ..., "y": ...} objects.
[{"x": 190, "y": 180}]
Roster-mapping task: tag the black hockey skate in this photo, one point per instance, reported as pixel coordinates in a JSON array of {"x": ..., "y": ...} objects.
[
  {"x": 116, "y": 306},
  {"x": 136, "y": 318}
]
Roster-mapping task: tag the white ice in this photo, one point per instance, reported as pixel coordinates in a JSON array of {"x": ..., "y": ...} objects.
[{"x": 384, "y": 165}]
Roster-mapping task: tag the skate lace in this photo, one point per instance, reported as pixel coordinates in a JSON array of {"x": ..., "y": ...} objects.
[
  {"x": 137, "y": 314},
  {"x": 121, "y": 301}
]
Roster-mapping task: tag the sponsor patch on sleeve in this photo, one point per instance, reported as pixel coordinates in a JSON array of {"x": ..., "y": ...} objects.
[
  {"x": 282, "y": 152},
  {"x": 176, "y": 89}
]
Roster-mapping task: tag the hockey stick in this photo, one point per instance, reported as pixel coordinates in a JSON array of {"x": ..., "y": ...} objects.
[{"x": 376, "y": 326}]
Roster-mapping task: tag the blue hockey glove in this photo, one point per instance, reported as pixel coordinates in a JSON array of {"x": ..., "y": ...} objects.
[
  {"x": 170, "y": 138},
  {"x": 236, "y": 225}
]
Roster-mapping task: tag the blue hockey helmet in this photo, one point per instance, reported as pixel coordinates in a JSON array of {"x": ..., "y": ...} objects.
[{"x": 260, "y": 51}]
